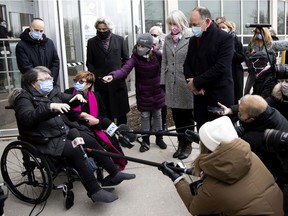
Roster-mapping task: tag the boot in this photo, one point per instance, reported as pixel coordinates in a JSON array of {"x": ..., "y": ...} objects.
[
  {"x": 177, "y": 153},
  {"x": 185, "y": 151},
  {"x": 145, "y": 145},
  {"x": 160, "y": 142}
]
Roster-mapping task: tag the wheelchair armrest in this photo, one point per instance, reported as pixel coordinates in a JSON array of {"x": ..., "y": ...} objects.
[{"x": 33, "y": 139}]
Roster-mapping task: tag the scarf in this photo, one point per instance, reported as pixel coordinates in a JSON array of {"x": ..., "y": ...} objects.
[{"x": 93, "y": 107}]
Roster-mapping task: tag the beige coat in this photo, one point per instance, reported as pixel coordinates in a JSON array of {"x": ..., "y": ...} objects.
[
  {"x": 172, "y": 76},
  {"x": 236, "y": 183}
]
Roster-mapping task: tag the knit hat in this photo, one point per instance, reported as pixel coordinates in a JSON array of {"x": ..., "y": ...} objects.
[
  {"x": 214, "y": 132},
  {"x": 145, "y": 40}
]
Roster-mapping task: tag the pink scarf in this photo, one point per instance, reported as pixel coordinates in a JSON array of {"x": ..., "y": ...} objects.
[{"x": 93, "y": 107}]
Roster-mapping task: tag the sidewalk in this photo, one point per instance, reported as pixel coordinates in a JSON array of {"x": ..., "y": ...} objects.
[{"x": 151, "y": 193}]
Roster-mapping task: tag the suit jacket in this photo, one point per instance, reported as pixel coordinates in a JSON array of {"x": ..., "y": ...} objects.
[
  {"x": 101, "y": 62},
  {"x": 210, "y": 64}
]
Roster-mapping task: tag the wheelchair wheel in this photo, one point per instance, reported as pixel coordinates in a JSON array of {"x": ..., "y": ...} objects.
[{"x": 26, "y": 172}]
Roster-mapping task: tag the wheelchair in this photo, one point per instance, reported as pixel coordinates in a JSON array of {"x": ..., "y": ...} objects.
[{"x": 30, "y": 175}]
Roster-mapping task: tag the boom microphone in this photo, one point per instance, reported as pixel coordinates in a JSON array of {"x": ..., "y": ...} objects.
[
  {"x": 124, "y": 138},
  {"x": 257, "y": 25}
]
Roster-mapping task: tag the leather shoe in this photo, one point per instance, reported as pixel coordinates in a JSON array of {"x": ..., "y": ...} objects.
[{"x": 185, "y": 151}]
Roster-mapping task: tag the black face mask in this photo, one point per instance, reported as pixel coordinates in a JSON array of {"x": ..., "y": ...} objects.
[{"x": 103, "y": 35}]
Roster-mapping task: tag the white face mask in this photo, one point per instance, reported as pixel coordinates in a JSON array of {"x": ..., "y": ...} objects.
[{"x": 223, "y": 29}]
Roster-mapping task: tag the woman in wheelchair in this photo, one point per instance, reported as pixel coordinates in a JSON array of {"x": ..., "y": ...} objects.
[
  {"x": 42, "y": 111},
  {"x": 93, "y": 112}
]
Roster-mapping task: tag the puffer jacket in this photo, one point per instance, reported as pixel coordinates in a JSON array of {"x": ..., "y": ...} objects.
[
  {"x": 35, "y": 118},
  {"x": 149, "y": 94},
  {"x": 236, "y": 183}
]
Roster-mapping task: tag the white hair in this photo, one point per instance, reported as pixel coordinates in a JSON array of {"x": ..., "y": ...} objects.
[{"x": 107, "y": 21}]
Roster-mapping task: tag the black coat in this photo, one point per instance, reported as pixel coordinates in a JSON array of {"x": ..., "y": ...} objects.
[
  {"x": 210, "y": 66},
  {"x": 101, "y": 62},
  {"x": 31, "y": 53},
  {"x": 35, "y": 118}
]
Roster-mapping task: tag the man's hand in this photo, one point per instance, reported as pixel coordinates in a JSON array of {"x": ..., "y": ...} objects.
[
  {"x": 60, "y": 107},
  {"x": 169, "y": 172},
  {"x": 78, "y": 97},
  {"x": 227, "y": 111},
  {"x": 193, "y": 89},
  {"x": 107, "y": 79}
]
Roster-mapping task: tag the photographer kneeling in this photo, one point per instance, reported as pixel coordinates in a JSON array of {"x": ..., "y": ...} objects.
[{"x": 234, "y": 180}]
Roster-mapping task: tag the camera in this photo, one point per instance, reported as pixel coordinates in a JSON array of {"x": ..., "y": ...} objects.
[
  {"x": 281, "y": 71},
  {"x": 276, "y": 141}
]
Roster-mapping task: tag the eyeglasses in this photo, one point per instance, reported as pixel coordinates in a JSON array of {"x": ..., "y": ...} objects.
[
  {"x": 154, "y": 35},
  {"x": 80, "y": 81}
]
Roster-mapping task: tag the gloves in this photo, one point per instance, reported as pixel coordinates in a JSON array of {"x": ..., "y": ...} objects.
[{"x": 169, "y": 172}]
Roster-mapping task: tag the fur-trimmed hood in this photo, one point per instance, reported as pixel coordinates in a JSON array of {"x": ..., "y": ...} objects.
[{"x": 277, "y": 93}]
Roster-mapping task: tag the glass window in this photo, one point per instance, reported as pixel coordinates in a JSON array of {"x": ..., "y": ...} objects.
[
  {"x": 249, "y": 14},
  {"x": 213, "y": 6},
  {"x": 154, "y": 14},
  {"x": 231, "y": 10},
  {"x": 186, "y": 7},
  {"x": 264, "y": 7},
  {"x": 281, "y": 17}
]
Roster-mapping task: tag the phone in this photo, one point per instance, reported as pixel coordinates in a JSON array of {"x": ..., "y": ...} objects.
[{"x": 215, "y": 109}]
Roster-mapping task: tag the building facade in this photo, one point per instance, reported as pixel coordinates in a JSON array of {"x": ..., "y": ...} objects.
[{"x": 70, "y": 23}]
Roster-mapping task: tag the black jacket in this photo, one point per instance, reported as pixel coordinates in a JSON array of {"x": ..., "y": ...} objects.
[
  {"x": 210, "y": 65},
  {"x": 31, "y": 53},
  {"x": 101, "y": 62},
  {"x": 35, "y": 118}
]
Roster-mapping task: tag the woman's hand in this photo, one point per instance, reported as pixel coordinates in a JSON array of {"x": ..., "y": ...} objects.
[
  {"x": 107, "y": 79},
  {"x": 227, "y": 111},
  {"x": 60, "y": 107},
  {"x": 78, "y": 97}
]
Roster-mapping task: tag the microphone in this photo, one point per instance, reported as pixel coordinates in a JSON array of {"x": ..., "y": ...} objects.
[
  {"x": 257, "y": 25},
  {"x": 77, "y": 140},
  {"x": 192, "y": 136},
  {"x": 111, "y": 129}
]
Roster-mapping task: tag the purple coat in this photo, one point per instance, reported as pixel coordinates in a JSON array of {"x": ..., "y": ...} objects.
[{"x": 149, "y": 95}]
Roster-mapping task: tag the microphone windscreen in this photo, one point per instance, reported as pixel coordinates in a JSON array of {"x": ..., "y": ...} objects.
[
  {"x": 105, "y": 123},
  {"x": 127, "y": 132},
  {"x": 247, "y": 25},
  {"x": 73, "y": 133}
]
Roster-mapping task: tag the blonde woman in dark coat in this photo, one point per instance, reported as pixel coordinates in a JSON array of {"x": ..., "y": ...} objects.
[
  {"x": 177, "y": 97},
  {"x": 234, "y": 180}
]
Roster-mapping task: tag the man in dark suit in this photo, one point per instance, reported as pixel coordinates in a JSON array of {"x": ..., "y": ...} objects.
[
  {"x": 208, "y": 65},
  {"x": 107, "y": 52}
]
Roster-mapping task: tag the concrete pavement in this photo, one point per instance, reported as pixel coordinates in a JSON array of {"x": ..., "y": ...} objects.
[{"x": 151, "y": 193}]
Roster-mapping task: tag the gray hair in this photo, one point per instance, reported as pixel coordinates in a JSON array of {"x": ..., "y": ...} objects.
[
  {"x": 31, "y": 75},
  {"x": 105, "y": 20},
  {"x": 204, "y": 12},
  {"x": 158, "y": 29},
  {"x": 178, "y": 18},
  {"x": 254, "y": 105}
]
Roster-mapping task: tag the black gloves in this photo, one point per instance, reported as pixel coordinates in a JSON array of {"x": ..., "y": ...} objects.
[{"x": 169, "y": 172}]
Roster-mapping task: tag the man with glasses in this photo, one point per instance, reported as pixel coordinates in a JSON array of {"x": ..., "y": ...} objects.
[
  {"x": 207, "y": 67},
  {"x": 35, "y": 49},
  {"x": 107, "y": 52}
]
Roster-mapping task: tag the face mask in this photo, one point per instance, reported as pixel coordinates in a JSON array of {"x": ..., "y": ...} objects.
[
  {"x": 175, "y": 30},
  {"x": 226, "y": 30},
  {"x": 259, "y": 36},
  {"x": 141, "y": 51},
  {"x": 197, "y": 31},
  {"x": 284, "y": 88},
  {"x": 46, "y": 86},
  {"x": 103, "y": 35},
  {"x": 36, "y": 35},
  {"x": 155, "y": 40},
  {"x": 79, "y": 87}
]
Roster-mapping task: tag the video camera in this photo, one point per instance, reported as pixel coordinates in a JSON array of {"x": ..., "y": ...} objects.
[
  {"x": 277, "y": 142},
  {"x": 280, "y": 71}
]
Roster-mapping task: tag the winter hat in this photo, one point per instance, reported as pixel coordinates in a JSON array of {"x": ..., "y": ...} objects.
[
  {"x": 214, "y": 132},
  {"x": 145, "y": 40}
]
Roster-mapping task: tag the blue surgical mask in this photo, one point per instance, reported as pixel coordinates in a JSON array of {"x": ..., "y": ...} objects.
[
  {"x": 46, "y": 86},
  {"x": 78, "y": 86},
  {"x": 197, "y": 31},
  {"x": 155, "y": 40},
  {"x": 259, "y": 36},
  {"x": 36, "y": 35}
]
